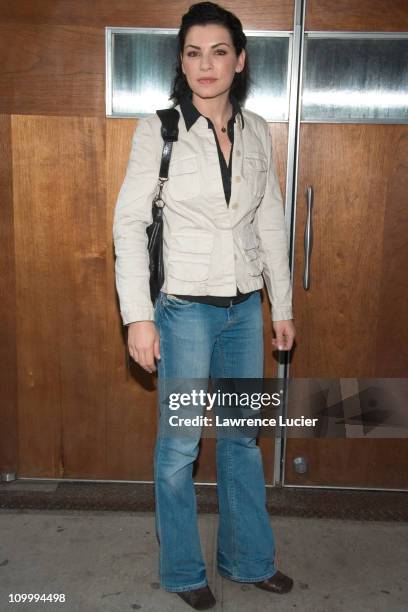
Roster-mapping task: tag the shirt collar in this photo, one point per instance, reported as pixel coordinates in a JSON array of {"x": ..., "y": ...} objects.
[{"x": 191, "y": 113}]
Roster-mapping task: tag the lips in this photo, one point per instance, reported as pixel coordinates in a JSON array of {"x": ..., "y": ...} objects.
[{"x": 206, "y": 81}]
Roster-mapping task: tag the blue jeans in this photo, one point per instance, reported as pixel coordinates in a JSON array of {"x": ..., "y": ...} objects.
[{"x": 201, "y": 341}]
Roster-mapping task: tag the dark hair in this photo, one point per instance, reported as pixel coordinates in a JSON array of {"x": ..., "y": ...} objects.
[{"x": 203, "y": 13}]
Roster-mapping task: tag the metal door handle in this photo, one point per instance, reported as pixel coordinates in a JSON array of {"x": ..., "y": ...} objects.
[{"x": 308, "y": 238}]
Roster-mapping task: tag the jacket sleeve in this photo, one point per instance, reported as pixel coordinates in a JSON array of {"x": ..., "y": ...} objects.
[
  {"x": 269, "y": 225},
  {"x": 133, "y": 213}
]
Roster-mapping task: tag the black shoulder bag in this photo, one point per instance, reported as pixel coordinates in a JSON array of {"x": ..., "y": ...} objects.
[{"x": 169, "y": 131}]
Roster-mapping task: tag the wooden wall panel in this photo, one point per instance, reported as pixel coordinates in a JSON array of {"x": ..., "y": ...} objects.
[
  {"x": 359, "y": 462},
  {"x": 259, "y": 14},
  {"x": 52, "y": 70},
  {"x": 357, "y": 15},
  {"x": 391, "y": 358},
  {"x": 60, "y": 246},
  {"x": 8, "y": 348},
  {"x": 352, "y": 322},
  {"x": 358, "y": 248},
  {"x": 131, "y": 396}
]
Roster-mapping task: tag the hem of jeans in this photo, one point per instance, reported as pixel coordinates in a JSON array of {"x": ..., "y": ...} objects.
[
  {"x": 190, "y": 587},
  {"x": 249, "y": 580}
]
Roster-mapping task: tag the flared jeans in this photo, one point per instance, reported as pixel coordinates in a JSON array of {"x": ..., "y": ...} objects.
[{"x": 198, "y": 341}]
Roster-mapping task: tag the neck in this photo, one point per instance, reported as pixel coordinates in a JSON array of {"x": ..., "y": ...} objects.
[{"x": 218, "y": 109}]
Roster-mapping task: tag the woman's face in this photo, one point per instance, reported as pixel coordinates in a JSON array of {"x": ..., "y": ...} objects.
[{"x": 209, "y": 61}]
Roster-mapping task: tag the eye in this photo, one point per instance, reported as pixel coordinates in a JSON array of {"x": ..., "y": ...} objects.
[
  {"x": 221, "y": 52},
  {"x": 191, "y": 53}
]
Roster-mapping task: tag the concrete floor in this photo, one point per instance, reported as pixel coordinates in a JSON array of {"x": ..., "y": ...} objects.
[{"x": 107, "y": 562}]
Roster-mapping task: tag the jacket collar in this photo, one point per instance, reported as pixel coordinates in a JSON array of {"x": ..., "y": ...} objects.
[{"x": 191, "y": 113}]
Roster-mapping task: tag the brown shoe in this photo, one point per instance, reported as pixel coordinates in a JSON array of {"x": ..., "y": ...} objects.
[
  {"x": 199, "y": 599},
  {"x": 278, "y": 583}
]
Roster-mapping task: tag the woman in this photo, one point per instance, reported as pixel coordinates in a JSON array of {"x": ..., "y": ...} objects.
[{"x": 223, "y": 228}]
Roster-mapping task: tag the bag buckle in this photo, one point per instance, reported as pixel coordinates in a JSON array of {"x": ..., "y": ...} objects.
[{"x": 158, "y": 196}]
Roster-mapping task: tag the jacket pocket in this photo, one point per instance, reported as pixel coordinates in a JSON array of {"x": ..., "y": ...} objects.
[
  {"x": 184, "y": 179},
  {"x": 190, "y": 255},
  {"x": 250, "y": 244},
  {"x": 255, "y": 171}
]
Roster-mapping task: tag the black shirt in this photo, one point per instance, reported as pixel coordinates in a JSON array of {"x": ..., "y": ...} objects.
[{"x": 190, "y": 115}]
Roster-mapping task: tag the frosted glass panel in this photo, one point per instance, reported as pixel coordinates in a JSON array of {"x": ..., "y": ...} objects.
[
  {"x": 269, "y": 69},
  {"x": 141, "y": 67},
  {"x": 349, "y": 79}
]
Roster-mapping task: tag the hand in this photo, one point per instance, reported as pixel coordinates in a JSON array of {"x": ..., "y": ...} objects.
[
  {"x": 144, "y": 344},
  {"x": 285, "y": 334}
]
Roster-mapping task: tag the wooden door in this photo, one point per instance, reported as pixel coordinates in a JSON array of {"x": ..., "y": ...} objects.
[{"x": 353, "y": 321}]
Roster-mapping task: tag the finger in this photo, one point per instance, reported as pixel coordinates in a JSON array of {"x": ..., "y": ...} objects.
[
  {"x": 156, "y": 347},
  {"x": 290, "y": 340},
  {"x": 276, "y": 344},
  {"x": 133, "y": 353},
  {"x": 150, "y": 359},
  {"x": 287, "y": 343},
  {"x": 147, "y": 361},
  {"x": 280, "y": 341},
  {"x": 138, "y": 357}
]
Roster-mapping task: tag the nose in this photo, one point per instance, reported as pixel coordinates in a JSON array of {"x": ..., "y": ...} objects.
[{"x": 205, "y": 62}]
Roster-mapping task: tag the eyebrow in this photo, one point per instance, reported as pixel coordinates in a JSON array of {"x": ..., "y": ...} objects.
[{"x": 212, "y": 47}]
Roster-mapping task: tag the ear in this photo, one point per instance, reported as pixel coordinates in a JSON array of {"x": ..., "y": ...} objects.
[{"x": 241, "y": 61}]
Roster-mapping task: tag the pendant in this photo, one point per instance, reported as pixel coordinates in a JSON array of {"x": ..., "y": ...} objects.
[{"x": 223, "y": 129}]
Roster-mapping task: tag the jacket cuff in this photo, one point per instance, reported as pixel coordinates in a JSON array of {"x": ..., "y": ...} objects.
[
  {"x": 282, "y": 314},
  {"x": 137, "y": 313}
]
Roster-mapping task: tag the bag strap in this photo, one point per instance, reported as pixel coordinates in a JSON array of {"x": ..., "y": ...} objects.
[{"x": 169, "y": 118}]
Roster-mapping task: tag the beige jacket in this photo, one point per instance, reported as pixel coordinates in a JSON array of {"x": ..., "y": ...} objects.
[{"x": 208, "y": 247}]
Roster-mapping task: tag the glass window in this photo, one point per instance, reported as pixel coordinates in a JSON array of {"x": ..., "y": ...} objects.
[{"x": 358, "y": 78}]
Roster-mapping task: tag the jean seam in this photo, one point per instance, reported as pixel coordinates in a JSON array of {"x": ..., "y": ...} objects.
[
  {"x": 233, "y": 508},
  {"x": 248, "y": 580},
  {"x": 159, "y": 443},
  {"x": 188, "y": 587}
]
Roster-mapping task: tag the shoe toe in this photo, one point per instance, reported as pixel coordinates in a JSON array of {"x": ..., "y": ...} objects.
[
  {"x": 278, "y": 583},
  {"x": 199, "y": 599}
]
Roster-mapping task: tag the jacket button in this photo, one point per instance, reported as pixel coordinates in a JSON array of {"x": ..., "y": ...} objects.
[
  {"x": 237, "y": 179},
  {"x": 234, "y": 205},
  {"x": 238, "y": 153}
]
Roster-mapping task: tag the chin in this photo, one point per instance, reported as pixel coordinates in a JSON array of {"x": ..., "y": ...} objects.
[{"x": 207, "y": 92}]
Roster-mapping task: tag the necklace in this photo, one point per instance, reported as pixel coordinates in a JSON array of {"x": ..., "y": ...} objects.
[{"x": 223, "y": 129}]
